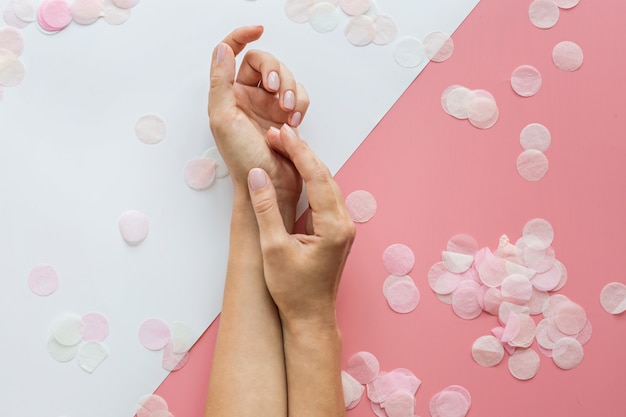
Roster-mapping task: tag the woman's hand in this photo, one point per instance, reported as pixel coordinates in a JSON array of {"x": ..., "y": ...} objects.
[
  {"x": 302, "y": 271},
  {"x": 245, "y": 109}
]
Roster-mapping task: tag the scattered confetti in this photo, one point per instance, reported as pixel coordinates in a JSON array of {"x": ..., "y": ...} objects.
[
  {"x": 535, "y": 136},
  {"x": 453, "y": 401},
  {"x": 152, "y": 405},
  {"x": 150, "y": 129},
  {"x": 386, "y": 30},
  {"x": 299, "y": 11},
  {"x": 526, "y": 80},
  {"x": 59, "y": 352},
  {"x": 363, "y": 366},
  {"x": 524, "y": 364},
  {"x": 172, "y": 361},
  {"x": 221, "y": 170},
  {"x": 54, "y": 15},
  {"x": 567, "y": 56},
  {"x": 183, "y": 337},
  {"x": 478, "y": 106},
  {"x": 200, "y": 173},
  {"x": 91, "y": 355},
  {"x": 566, "y": 4},
  {"x": 532, "y": 165},
  {"x": 438, "y": 46},
  {"x": 352, "y": 390},
  {"x": 95, "y": 327},
  {"x": 361, "y": 206},
  {"x": 43, "y": 279},
  {"x": 86, "y": 12},
  {"x": 487, "y": 351},
  {"x": 409, "y": 52},
  {"x": 544, "y": 14},
  {"x": 11, "y": 18},
  {"x": 355, "y": 7},
  {"x": 125, "y": 4},
  {"x": 154, "y": 334},
  {"x": 133, "y": 226},
  {"x": 12, "y": 40},
  {"x": 613, "y": 298},
  {"x": 24, "y": 10},
  {"x": 567, "y": 353},
  {"x": 11, "y": 69},
  {"x": 67, "y": 329},
  {"x": 398, "y": 259},
  {"x": 402, "y": 295},
  {"x": 324, "y": 17}
]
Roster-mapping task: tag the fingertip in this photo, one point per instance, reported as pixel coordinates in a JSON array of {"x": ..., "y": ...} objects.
[
  {"x": 257, "y": 179},
  {"x": 295, "y": 119}
]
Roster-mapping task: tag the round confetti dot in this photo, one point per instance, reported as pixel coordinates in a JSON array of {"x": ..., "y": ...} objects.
[
  {"x": 532, "y": 165},
  {"x": 59, "y": 352},
  {"x": 200, "y": 173},
  {"x": 448, "y": 404},
  {"x": 567, "y": 353},
  {"x": 114, "y": 15},
  {"x": 24, "y": 10},
  {"x": 150, "y": 129},
  {"x": 95, "y": 327},
  {"x": 441, "y": 280},
  {"x": 172, "y": 361},
  {"x": 517, "y": 289},
  {"x": 403, "y": 296},
  {"x": 392, "y": 279},
  {"x": 457, "y": 102},
  {"x": 11, "y": 69},
  {"x": 566, "y": 4},
  {"x": 386, "y": 30},
  {"x": 399, "y": 404},
  {"x": 91, "y": 355},
  {"x": 221, "y": 170},
  {"x": 152, "y": 403},
  {"x": 398, "y": 259},
  {"x": 183, "y": 337},
  {"x": 360, "y": 30},
  {"x": 567, "y": 56},
  {"x": 154, "y": 334},
  {"x": 526, "y": 80},
  {"x": 324, "y": 17},
  {"x": 462, "y": 243},
  {"x": 361, "y": 206},
  {"x": 352, "y": 390},
  {"x": 12, "y": 40},
  {"x": 482, "y": 112},
  {"x": 54, "y": 15},
  {"x": 535, "y": 136},
  {"x": 43, "y": 279},
  {"x": 86, "y": 12},
  {"x": 544, "y": 14},
  {"x": 465, "y": 302},
  {"x": 570, "y": 318},
  {"x": 409, "y": 52},
  {"x": 125, "y": 4},
  {"x": 438, "y": 46},
  {"x": 10, "y": 17},
  {"x": 538, "y": 234},
  {"x": 133, "y": 226},
  {"x": 299, "y": 11},
  {"x": 355, "y": 7},
  {"x": 613, "y": 298},
  {"x": 487, "y": 351},
  {"x": 363, "y": 366},
  {"x": 524, "y": 364},
  {"x": 456, "y": 262},
  {"x": 67, "y": 330}
]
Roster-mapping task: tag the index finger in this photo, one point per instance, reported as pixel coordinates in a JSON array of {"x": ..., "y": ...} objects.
[{"x": 240, "y": 37}]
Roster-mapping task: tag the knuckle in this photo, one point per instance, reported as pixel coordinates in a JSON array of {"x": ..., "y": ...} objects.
[{"x": 263, "y": 204}]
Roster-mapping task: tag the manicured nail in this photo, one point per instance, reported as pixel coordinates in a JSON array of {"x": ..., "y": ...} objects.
[
  {"x": 290, "y": 132},
  {"x": 257, "y": 179},
  {"x": 273, "y": 82},
  {"x": 275, "y": 130},
  {"x": 289, "y": 100},
  {"x": 295, "y": 119},
  {"x": 221, "y": 52}
]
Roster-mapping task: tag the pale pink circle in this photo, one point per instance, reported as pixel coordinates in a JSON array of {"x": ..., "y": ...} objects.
[
  {"x": 355, "y": 7},
  {"x": 10, "y": 17},
  {"x": 154, "y": 334},
  {"x": 43, "y": 279},
  {"x": 441, "y": 280},
  {"x": 403, "y": 296},
  {"x": 482, "y": 112},
  {"x": 524, "y": 364},
  {"x": 570, "y": 318},
  {"x": 538, "y": 234},
  {"x": 535, "y": 136},
  {"x": 150, "y": 129},
  {"x": 54, "y": 14},
  {"x": 86, "y": 12},
  {"x": 463, "y": 243},
  {"x": 200, "y": 173},
  {"x": 386, "y": 30},
  {"x": 526, "y": 80},
  {"x": 125, "y": 4},
  {"x": 567, "y": 56},
  {"x": 361, "y": 205},
  {"x": 613, "y": 298},
  {"x": 567, "y": 353},
  {"x": 487, "y": 351},
  {"x": 133, "y": 226},
  {"x": 12, "y": 40},
  {"x": 11, "y": 69},
  {"x": 438, "y": 46},
  {"x": 544, "y": 14},
  {"x": 516, "y": 288},
  {"x": 566, "y": 4},
  {"x": 532, "y": 165},
  {"x": 449, "y": 404},
  {"x": 360, "y": 30},
  {"x": 398, "y": 259},
  {"x": 392, "y": 279},
  {"x": 95, "y": 327},
  {"x": 409, "y": 52},
  {"x": 299, "y": 11},
  {"x": 465, "y": 302},
  {"x": 363, "y": 366}
]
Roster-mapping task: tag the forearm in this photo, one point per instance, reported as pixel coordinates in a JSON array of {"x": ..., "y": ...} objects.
[
  {"x": 248, "y": 371},
  {"x": 313, "y": 363}
]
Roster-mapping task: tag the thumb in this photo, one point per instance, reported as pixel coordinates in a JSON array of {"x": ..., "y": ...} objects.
[
  {"x": 223, "y": 69},
  {"x": 263, "y": 196}
]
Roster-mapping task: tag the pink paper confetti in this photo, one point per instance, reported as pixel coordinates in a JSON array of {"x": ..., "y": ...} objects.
[
  {"x": 200, "y": 173},
  {"x": 352, "y": 390},
  {"x": 567, "y": 353},
  {"x": 150, "y": 129},
  {"x": 544, "y": 14},
  {"x": 12, "y": 40},
  {"x": 449, "y": 403},
  {"x": 154, "y": 334},
  {"x": 386, "y": 29},
  {"x": 54, "y": 15},
  {"x": 398, "y": 259},
  {"x": 535, "y": 136},
  {"x": 532, "y": 165},
  {"x": 11, "y": 69},
  {"x": 363, "y": 366},
  {"x": 355, "y": 7},
  {"x": 126, "y": 4},
  {"x": 360, "y": 30},
  {"x": 438, "y": 46},
  {"x": 43, "y": 279},
  {"x": 10, "y": 17},
  {"x": 487, "y": 351},
  {"x": 524, "y": 364},
  {"x": 361, "y": 206},
  {"x": 95, "y": 327},
  {"x": 86, "y": 12},
  {"x": 172, "y": 361},
  {"x": 613, "y": 298},
  {"x": 403, "y": 296},
  {"x": 409, "y": 52},
  {"x": 299, "y": 11},
  {"x": 133, "y": 226},
  {"x": 566, "y": 4},
  {"x": 567, "y": 56}
]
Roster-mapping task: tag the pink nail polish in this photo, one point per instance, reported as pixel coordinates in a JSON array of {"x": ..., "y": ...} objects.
[
  {"x": 289, "y": 100},
  {"x": 221, "y": 52},
  {"x": 273, "y": 82},
  {"x": 295, "y": 119},
  {"x": 290, "y": 132},
  {"x": 257, "y": 179}
]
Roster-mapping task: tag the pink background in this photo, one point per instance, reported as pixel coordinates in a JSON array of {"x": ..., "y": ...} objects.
[{"x": 434, "y": 176}]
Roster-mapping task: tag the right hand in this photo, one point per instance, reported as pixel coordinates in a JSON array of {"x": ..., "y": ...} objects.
[{"x": 302, "y": 271}]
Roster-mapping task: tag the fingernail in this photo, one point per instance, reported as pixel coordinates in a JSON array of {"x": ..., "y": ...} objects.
[
  {"x": 273, "y": 83},
  {"x": 257, "y": 179},
  {"x": 290, "y": 132},
  {"x": 295, "y": 119},
  {"x": 289, "y": 101},
  {"x": 221, "y": 52},
  {"x": 274, "y": 130}
]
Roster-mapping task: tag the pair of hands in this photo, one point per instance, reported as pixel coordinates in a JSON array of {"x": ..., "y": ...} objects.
[{"x": 251, "y": 111}]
